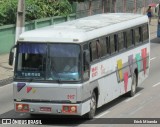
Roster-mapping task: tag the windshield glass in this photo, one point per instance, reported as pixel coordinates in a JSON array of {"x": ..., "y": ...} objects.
[
  {"x": 64, "y": 62},
  {"x": 31, "y": 61},
  {"x": 56, "y": 62}
]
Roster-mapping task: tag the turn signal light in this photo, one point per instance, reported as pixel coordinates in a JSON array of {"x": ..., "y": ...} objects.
[{"x": 22, "y": 107}]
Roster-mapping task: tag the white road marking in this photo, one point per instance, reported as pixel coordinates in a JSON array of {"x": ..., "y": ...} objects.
[
  {"x": 133, "y": 97},
  {"x": 152, "y": 58},
  {"x": 133, "y": 112},
  {"x": 100, "y": 115},
  {"x": 156, "y": 84}
]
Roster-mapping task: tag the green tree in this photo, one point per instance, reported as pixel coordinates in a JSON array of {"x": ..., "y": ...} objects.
[
  {"x": 35, "y": 9},
  {"x": 8, "y": 11}
]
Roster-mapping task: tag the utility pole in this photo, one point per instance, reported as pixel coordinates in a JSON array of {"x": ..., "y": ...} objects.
[{"x": 20, "y": 24}]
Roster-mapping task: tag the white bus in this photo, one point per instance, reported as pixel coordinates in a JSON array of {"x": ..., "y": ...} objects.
[{"x": 74, "y": 67}]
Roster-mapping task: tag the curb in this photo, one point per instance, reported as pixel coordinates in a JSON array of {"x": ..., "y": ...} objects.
[{"x": 6, "y": 81}]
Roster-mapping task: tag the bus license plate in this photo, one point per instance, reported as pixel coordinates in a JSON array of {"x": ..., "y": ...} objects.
[{"x": 45, "y": 109}]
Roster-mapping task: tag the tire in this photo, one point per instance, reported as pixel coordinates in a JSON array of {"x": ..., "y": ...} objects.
[
  {"x": 133, "y": 86},
  {"x": 93, "y": 107}
]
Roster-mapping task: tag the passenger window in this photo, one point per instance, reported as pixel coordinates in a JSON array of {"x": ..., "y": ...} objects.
[
  {"x": 145, "y": 33},
  {"x": 96, "y": 51},
  {"x": 138, "y": 35},
  {"x": 93, "y": 51},
  {"x": 99, "y": 50},
  {"x": 112, "y": 44},
  {"x": 120, "y": 41},
  {"x": 140, "y": 32},
  {"x": 107, "y": 45},
  {"x": 103, "y": 46},
  {"x": 129, "y": 38},
  {"x": 86, "y": 62}
]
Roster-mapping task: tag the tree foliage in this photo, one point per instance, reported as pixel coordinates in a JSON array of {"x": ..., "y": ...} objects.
[{"x": 35, "y": 9}]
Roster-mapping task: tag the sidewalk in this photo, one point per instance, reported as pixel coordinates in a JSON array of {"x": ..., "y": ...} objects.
[
  {"x": 153, "y": 28},
  {"x": 6, "y": 72}
]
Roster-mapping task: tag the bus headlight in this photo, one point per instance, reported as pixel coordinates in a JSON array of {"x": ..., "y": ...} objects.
[
  {"x": 69, "y": 109},
  {"x": 22, "y": 107}
]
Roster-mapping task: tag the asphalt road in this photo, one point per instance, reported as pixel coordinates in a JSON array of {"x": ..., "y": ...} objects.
[{"x": 145, "y": 104}]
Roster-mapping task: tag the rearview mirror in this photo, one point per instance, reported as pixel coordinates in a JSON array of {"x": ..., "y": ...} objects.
[{"x": 11, "y": 55}]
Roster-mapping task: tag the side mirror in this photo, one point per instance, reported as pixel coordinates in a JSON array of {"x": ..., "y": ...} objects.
[
  {"x": 11, "y": 55},
  {"x": 11, "y": 58}
]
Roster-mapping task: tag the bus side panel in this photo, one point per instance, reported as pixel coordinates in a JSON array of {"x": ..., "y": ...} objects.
[
  {"x": 114, "y": 75},
  {"x": 108, "y": 89}
]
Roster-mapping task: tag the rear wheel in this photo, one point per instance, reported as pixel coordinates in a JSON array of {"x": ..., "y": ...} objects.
[
  {"x": 133, "y": 86},
  {"x": 93, "y": 106}
]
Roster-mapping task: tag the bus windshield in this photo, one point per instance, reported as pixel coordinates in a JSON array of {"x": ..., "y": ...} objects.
[{"x": 57, "y": 62}]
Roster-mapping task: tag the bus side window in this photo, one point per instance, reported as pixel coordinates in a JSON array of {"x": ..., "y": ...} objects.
[
  {"x": 103, "y": 46},
  {"x": 112, "y": 44},
  {"x": 86, "y": 61},
  {"x": 93, "y": 51},
  {"x": 140, "y": 33},
  {"x": 120, "y": 41},
  {"x": 107, "y": 45},
  {"x": 129, "y": 38},
  {"x": 145, "y": 33},
  {"x": 99, "y": 50},
  {"x": 137, "y": 35},
  {"x": 125, "y": 39}
]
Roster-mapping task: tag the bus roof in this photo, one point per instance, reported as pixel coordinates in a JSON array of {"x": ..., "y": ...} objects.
[{"x": 84, "y": 29}]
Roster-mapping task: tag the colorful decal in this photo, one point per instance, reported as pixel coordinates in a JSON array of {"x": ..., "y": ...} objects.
[
  {"x": 29, "y": 89},
  {"x": 141, "y": 59},
  {"x": 130, "y": 61},
  {"x": 144, "y": 57},
  {"x": 33, "y": 90},
  {"x": 125, "y": 81},
  {"x": 102, "y": 70},
  {"x": 94, "y": 71},
  {"x": 120, "y": 66},
  {"x": 20, "y": 86},
  {"x": 138, "y": 58}
]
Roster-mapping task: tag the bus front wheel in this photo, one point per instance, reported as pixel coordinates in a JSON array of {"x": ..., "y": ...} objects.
[{"x": 93, "y": 106}]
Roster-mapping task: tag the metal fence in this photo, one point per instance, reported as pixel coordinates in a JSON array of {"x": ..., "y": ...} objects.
[
  {"x": 91, "y": 7},
  {"x": 7, "y": 32},
  {"x": 83, "y": 9}
]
